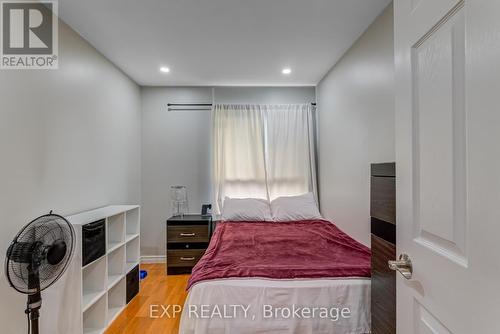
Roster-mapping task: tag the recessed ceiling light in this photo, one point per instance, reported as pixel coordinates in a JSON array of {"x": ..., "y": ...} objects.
[
  {"x": 286, "y": 70},
  {"x": 164, "y": 69}
]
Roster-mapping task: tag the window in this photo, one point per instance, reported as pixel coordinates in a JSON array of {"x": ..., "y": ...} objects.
[{"x": 263, "y": 151}]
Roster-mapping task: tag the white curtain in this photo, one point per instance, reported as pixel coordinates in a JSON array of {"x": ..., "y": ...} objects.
[
  {"x": 290, "y": 150},
  {"x": 263, "y": 151}
]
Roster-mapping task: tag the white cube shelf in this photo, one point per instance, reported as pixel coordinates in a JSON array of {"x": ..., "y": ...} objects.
[{"x": 94, "y": 295}]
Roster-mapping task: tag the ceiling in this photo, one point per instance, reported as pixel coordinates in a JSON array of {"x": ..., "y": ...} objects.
[{"x": 222, "y": 42}]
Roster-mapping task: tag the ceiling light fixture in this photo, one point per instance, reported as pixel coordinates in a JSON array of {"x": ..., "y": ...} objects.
[
  {"x": 286, "y": 71},
  {"x": 164, "y": 69}
]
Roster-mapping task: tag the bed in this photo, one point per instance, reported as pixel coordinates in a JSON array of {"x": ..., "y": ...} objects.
[{"x": 288, "y": 277}]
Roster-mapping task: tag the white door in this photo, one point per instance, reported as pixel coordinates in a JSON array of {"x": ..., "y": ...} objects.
[{"x": 448, "y": 165}]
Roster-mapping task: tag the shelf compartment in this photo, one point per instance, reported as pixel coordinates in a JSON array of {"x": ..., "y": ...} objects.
[
  {"x": 130, "y": 237},
  {"x": 94, "y": 318},
  {"x": 116, "y": 266},
  {"x": 132, "y": 222},
  {"x": 94, "y": 282},
  {"x": 114, "y": 246},
  {"x": 116, "y": 231},
  {"x": 116, "y": 300},
  {"x": 132, "y": 251},
  {"x": 129, "y": 266}
]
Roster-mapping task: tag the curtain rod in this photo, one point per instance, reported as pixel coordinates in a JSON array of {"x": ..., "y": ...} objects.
[
  {"x": 199, "y": 104},
  {"x": 189, "y": 104},
  {"x": 207, "y": 106}
]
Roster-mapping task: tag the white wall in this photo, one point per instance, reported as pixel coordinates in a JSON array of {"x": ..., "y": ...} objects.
[
  {"x": 69, "y": 141},
  {"x": 264, "y": 95},
  {"x": 176, "y": 148},
  {"x": 356, "y": 126},
  {"x": 175, "y": 151}
]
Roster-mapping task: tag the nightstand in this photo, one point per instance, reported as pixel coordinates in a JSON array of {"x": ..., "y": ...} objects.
[{"x": 187, "y": 239}]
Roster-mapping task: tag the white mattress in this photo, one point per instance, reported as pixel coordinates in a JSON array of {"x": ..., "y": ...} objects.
[{"x": 220, "y": 316}]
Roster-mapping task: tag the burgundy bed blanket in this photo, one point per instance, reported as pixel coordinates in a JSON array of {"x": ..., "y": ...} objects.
[{"x": 288, "y": 250}]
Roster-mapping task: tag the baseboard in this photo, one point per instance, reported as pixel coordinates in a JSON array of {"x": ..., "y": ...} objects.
[{"x": 153, "y": 259}]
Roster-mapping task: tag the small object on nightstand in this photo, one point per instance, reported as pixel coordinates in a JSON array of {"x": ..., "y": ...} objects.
[
  {"x": 206, "y": 209},
  {"x": 178, "y": 195},
  {"x": 188, "y": 237}
]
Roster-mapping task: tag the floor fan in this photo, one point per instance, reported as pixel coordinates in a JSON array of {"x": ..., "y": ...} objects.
[{"x": 37, "y": 258}]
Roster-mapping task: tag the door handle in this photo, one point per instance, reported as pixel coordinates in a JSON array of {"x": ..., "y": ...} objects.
[
  {"x": 187, "y": 234},
  {"x": 187, "y": 258},
  {"x": 403, "y": 265}
]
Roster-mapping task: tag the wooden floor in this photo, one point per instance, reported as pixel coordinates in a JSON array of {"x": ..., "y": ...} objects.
[{"x": 156, "y": 289}]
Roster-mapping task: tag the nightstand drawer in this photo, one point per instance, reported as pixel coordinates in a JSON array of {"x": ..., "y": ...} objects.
[
  {"x": 187, "y": 233},
  {"x": 184, "y": 258}
]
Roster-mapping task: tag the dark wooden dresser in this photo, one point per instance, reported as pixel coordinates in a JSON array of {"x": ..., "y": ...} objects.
[
  {"x": 187, "y": 239},
  {"x": 383, "y": 239}
]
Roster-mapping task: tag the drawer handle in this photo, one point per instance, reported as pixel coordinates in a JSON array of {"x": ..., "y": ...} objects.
[
  {"x": 187, "y": 234},
  {"x": 187, "y": 258}
]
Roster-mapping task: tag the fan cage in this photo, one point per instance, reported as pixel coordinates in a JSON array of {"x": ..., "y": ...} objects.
[{"x": 45, "y": 229}]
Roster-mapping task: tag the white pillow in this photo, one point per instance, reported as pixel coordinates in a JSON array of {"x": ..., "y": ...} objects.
[
  {"x": 291, "y": 208},
  {"x": 246, "y": 209}
]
